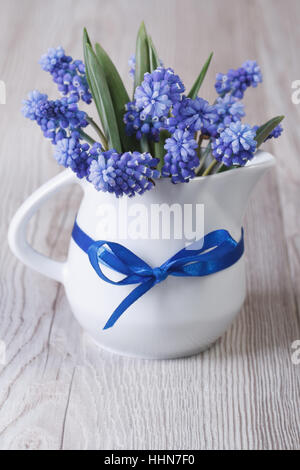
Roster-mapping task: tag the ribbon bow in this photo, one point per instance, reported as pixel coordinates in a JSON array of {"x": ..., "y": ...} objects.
[{"x": 218, "y": 251}]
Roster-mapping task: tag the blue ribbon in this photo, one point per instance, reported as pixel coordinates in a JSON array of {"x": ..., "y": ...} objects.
[{"x": 218, "y": 251}]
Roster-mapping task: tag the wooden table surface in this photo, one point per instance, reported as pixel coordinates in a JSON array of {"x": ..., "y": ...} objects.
[{"x": 57, "y": 389}]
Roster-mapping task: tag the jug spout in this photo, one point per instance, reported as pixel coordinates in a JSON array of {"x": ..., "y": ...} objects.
[{"x": 232, "y": 190}]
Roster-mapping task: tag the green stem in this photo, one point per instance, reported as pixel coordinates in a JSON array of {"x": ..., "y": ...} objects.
[
  {"x": 203, "y": 158},
  {"x": 210, "y": 167},
  {"x": 145, "y": 147},
  {"x": 200, "y": 140},
  {"x": 159, "y": 148},
  {"x": 99, "y": 132},
  {"x": 86, "y": 137},
  {"x": 221, "y": 168}
]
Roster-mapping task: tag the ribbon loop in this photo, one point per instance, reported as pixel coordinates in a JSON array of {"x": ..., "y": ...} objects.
[{"x": 218, "y": 251}]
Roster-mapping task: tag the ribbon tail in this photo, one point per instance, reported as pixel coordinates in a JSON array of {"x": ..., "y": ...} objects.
[{"x": 128, "y": 301}]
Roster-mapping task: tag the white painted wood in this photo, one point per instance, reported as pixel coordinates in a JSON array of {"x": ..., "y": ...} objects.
[{"x": 58, "y": 390}]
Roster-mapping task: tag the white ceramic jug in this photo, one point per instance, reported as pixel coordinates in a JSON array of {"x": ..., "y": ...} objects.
[{"x": 178, "y": 317}]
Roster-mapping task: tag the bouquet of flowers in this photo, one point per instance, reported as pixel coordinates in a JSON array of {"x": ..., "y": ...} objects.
[{"x": 160, "y": 133}]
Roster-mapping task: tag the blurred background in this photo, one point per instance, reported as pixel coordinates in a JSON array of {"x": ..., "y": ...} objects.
[{"x": 57, "y": 391}]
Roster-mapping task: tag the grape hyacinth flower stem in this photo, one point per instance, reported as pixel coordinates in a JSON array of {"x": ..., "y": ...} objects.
[
  {"x": 86, "y": 137},
  {"x": 200, "y": 140},
  {"x": 223, "y": 168},
  {"x": 203, "y": 158},
  {"x": 145, "y": 145},
  {"x": 210, "y": 167},
  {"x": 99, "y": 132}
]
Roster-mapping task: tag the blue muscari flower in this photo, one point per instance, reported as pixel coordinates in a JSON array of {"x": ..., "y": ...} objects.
[
  {"x": 53, "y": 59},
  {"x": 128, "y": 174},
  {"x": 138, "y": 124},
  {"x": 132, "y": 119},
  {"x": 131, "y": 63},
  {"x": 181, "y": 158},
  {"x": 223, "y": 83},
  {"x": 54, "y": 117},
  {"x": 67, "y": 73},
  {"x": 235, "y": 145},
  {"x": 32, "y": 105},
  {"x": 237, "y": 81},
  {"x": 159, "y": 91},
  {"x": 276, "y": 132},
  {"x": 194, "y": 115},
  {"x": 229, "y": 109},
  {"x": 253, "y": 73},
  {"x": 71, "y": 153}
]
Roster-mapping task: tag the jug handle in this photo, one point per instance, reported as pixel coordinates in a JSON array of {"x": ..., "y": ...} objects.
[{"x": 18, "y": 228}]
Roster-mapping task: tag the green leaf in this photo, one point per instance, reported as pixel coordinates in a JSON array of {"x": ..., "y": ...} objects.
[
  {"x": 265, "y": 130},
  {"x": 142, "y": 64},
  {"x": 118, "y": 95},
  {"x": 86, "y": 40},
  {"x": 102, "y": 98},
  {"x": 153, "y": 56},
  {"x": 196, "y": 87},
  {"x": 159, "y": 150}
]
